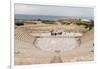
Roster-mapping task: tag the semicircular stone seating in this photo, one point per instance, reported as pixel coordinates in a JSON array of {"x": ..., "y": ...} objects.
[{"x": 26, "y": 52}]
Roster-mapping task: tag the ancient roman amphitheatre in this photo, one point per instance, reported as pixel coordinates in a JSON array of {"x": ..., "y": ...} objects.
[{"x": 53, "y": 41}]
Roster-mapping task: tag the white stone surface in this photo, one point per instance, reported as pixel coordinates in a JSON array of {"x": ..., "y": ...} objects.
[{"x": 56, "y": 44}]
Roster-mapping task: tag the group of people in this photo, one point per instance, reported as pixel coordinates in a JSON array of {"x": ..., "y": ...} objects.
[{"x": 56, "y": 33}]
